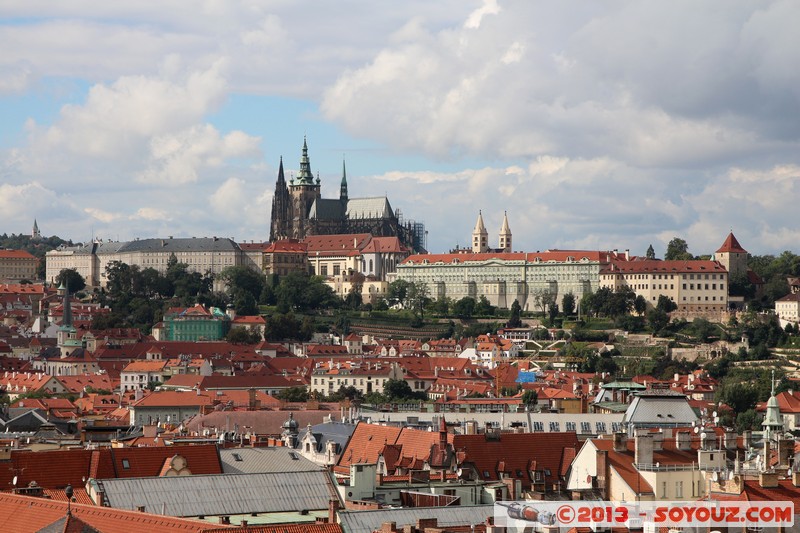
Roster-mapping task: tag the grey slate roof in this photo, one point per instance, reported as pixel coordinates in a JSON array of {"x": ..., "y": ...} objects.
[
  {"x": 338, "y": 432},
  {"x": 326, "y": 209},
  {"x": 369, "y": 521},
  {"x": 221, "y": 494},
  {"x": 180, "y": 245},
  {"x": 263, "y": 460},
  {"x": 377, "y": 207},
  {"x": 660, "y": 408}
]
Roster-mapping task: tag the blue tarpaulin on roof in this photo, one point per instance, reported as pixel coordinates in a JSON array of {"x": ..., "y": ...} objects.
[{"x": 526, "y": 377}]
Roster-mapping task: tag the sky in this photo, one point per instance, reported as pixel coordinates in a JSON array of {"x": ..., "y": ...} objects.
[{"x": 594, "y": 125}]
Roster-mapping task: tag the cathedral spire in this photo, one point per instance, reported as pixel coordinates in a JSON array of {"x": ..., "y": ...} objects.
[
  {"x": 343, "y": 186},
  {"x": 281, "y": 179},
  {"x": 305, "y": 176}
]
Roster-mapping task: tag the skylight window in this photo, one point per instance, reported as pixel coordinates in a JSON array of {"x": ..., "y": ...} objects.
[
  {"x": 126, "y": 464},
  {"x": 236, "y": 457}
]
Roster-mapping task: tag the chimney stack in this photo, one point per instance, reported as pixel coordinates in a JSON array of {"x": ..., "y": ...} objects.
[{"x": 643, "y": 454}]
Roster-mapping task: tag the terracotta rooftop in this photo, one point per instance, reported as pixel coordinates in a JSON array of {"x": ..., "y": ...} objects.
[
  {"x": 731, "y": 245},
  {"x": 22, "y": 514}
]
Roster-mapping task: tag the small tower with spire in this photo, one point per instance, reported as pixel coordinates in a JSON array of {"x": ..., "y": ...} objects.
[
  {"x": 733, "y": 257},
  {"x": 772, "y": 425},
  {"x": 304, "y": 190},
  {"x": 480, "y": 236},
  {"x": 36, "y": 234},
  {"x": 505, "y": 235}
]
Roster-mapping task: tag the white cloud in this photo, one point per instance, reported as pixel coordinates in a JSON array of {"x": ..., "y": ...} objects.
[
  {"x": 102, "y": 215},
  {"x": 151, "y": 213}
]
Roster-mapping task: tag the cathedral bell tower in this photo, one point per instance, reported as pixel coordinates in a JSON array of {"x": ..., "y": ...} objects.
[{"x": 303, "y": 191}]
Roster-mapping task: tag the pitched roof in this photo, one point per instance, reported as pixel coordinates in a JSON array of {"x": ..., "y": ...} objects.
[
  {"x": 516, "y": 453},
  {"x": 731, "y": 245},
  {"x": 366, "y": 444},
  {"x": 28, "y": 514},
  {"x": 558, "y": 256},
  {"x": 658, "y": 266}
]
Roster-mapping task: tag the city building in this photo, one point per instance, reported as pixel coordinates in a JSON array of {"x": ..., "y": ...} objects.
[
  {"x": 698, "y": 288},
  {"x": 203, "y": 255},
  {"x": 17, "y": 265},
  {"x": 284, "y": 256},
  {"x": 196, "y": 324},
  {"x": 298, "y": 211},
  {"x": 503, "y": 277}
]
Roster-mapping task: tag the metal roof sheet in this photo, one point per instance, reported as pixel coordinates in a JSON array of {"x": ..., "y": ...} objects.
[
  {"x": 221, "y": 494},
  {"x": 377, "y": 207},
  {"x": 369, "y": 521},
  {"x": 263, "y": 460}
]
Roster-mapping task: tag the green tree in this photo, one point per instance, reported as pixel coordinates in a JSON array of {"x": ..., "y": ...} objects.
[
  {"x": 515, "y": 315},
  {"x": 740, "y": 397},
  {"x": 640, "y": 305},
  {"x": 665, "y": 304},
  {"x": 651, "y": 253},
  {"x": 294, "y": 394},
  {"x": 465, "y": 307},
  {"x": 568, "y": 304},
  {"x": 418, "y": 295},
  {"x": 657, "y": 319},
  {"x": 72, "y": 279},
  {"x": 677, "y": 250},
  {"x": 529, "y": 397},
  {"x": 483, "y": 307},
  {"x": 398, "y": 293},
  {"x": 239, "y": 335},
  {"x": 243, "y": 279},
  {"x": 398, "y": 390}
]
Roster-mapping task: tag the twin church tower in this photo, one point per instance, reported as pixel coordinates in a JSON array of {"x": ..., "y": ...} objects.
[
  {"x": 298, "y": 211},
  {"x": 480, "y": 237}
]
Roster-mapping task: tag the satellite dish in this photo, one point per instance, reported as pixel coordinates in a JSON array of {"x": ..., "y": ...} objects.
[
  {"x": 14, "y": 481},
  {"x": 715, "y": 477},
  {"x": 714, "y": 414},
  {"x": 697, "y": 430},
  {"x": 458, "y": 472}
]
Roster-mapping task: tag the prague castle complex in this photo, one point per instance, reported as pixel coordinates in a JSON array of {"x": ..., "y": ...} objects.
[{"x": 299, "y": 211}]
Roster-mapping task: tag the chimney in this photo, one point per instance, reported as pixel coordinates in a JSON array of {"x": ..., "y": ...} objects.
[
  {"x": 602, "y": 471},
  {"x": 768, "y": 480},
  {"x": 620, "y": 442},
  {"x": 730, "y": 439},
  {"x": 644, "y": 449},
  {"x": 683, "y": 440},
  {"x": 333, "y": 508},
  {"x": 658, "y": 440},
  {"x": 747, "y": 439}
]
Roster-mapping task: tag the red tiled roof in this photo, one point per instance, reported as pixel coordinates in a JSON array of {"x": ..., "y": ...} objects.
[
  {"x": 654, "y": 265},
  {"x": 516, "y": 451},
  {"x": 336, "y": 243},
  {"x": 16, "y": 254},
  {"x": 287, "y": 246},
  {"x": 22, "y": 514},
  {"x": 731, "y": 245},
  {"x": 543, "y": 257},
  {"x": 366, "y": 444}
]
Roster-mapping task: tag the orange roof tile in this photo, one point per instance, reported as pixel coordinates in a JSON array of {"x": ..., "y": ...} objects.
[
  {"x": 731, "y": 245},
  {"x": 22, "y": 514}
]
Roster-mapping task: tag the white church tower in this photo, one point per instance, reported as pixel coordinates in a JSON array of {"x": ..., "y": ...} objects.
[{"x": 505, "y": 235}]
